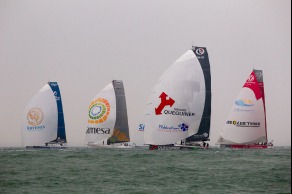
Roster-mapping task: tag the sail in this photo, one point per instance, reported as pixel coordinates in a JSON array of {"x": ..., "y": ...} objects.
[
  {"x": 204, "y": 129},
  {"x": 246, "y": 123},
  {"x": 107, "y": 116},
  {"x": 61, "y": 133},
  {"x": 260, "y": 79},
  {"x": 40, "y": 122},
  {"x": 177, "y": 103},
  {"x": 121, "y": 129}
]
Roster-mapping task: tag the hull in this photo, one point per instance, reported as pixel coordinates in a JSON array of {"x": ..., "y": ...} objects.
[
  {"x": 252, "y": 146},
  {"x": 46, "y": 147},
  {"x": 117, "y": 146},
  {"x": 193, "y": 147},
  {"x": 163, "y": 147},
  {"x": 175, "y": 147}
]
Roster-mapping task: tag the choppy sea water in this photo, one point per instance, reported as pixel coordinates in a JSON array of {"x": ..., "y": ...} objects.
[{"x": 83, "y": 170}]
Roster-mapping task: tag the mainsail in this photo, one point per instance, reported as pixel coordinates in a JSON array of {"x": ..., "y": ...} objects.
[
  {"x": 43, "y": 121},
  {"x": 179, "y": 106},
  {"x": 107, "y": 116},
  {"x": 203, "y": 133},
  {"x": 246, "y": 123},
  {"x": 61, "y": 133}
]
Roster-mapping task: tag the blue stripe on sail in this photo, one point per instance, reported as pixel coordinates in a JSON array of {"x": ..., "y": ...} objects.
[
  {"x": 204, "y": 129},
  {"x": 61, "y": 134}
]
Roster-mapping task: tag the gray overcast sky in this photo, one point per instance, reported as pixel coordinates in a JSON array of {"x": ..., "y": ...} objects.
[{"x": 83, "y": 45}]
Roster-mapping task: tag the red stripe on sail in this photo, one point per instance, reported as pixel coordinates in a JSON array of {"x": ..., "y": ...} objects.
[
  {"x": 253, "y": 84},
  {"x": 262, "y": 89}
]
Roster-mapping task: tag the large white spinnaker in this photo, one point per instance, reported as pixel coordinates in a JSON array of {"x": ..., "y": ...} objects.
[
  {"x": 40, "y": 121},
  {"x": 246, "y": 124},
  {"x": 107, "y": 117},
  {"x": 101, "y": 116},
  {"x": 176, "y": 104}
]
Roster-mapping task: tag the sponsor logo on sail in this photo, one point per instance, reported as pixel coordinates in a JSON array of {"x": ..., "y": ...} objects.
[
  {"x": 141, "y": 127},
  {"x": 53, "y": 84},
  {"x": 168, "y": 101},
  {"x": 258, "y": 75},
  {"x": 180, "y": 128},
  {"x": 251, "y": 78},
  {"x": 244, "y": 105},
  {"x": 244, "y": 124},
  {"x": 179, "y": 112},
  {"x": 244, "y": 102},
  {"x": 98, "y": 111},
  {"x": 97, "y": 130},
  {"x": 200, "y": 51},
  {"x": 34, "y": 118},
  {"x": 165, "y": 101},
  {"x": 244, "y": 110},
  {"x": 56, "y": 95},
  {"x": 184, "y": 127}
]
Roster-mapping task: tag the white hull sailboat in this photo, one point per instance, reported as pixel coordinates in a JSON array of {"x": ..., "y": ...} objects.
[
  {"x": 107, "y": 118},
  {"x": 246, "y": 125},
  {"x": 178, "y": 112},
  {"x": 43, "y": 123}
]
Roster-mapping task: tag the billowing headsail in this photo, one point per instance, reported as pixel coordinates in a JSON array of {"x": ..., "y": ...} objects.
[
  {"x": 107, "y": 116},
  {"x": 179, "y": 106},
  {"x": 43, "y": 121},
  {"x": 246, "y": 123}
]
